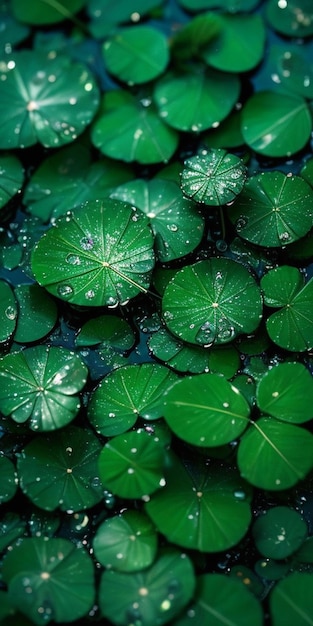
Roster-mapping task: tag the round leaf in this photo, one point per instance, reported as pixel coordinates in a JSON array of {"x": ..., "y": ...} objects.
[
  {"x": 40, "y": 384},
  {"x": 38, "y": 313},
  {"x": 293, "y": 18},
  {"x": 106, "y": 329},
  {"x": 61, "y": 470},
  {"x": 44, "y": 98},
  {"x": 131, "y": 465},
  {"x": 291, "y": 601},
  {"x": 201, "y": 510},
  {"x": 125, "y": 394},
  {"x": 213, "y": 177},
  {"x": 279, "y": 532},
  {"x": 154, "y": 596},
  {"x": 196, "y": 100},
  {"x": 98, "y": 255},
  {"x": 50, "y": 580},
  {"x": 8, "y": 312},
  {"x": 206, "y": 410},
  {"x": 136, "y": 54},
  {"x": 126, "y": 542},
  {"x": 12, "y": 176},
  {"x": 40, "y": 12},
  {"x": 276, "y": 125},
  {"x": 212, "y": 301},
  {"x": 176, "y": 224},
  {"x": 275, "y": 455},
  {"x": 286, "y": 392},
  {"x": 11, "y": 528},
  {"x": 8, "y": 485}
]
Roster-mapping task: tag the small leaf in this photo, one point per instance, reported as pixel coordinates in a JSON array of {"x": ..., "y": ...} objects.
[
  {"x": 9, "y": 482},
  {"x": 291, "y": 600},
  {"x": 38, "y": 313},
  {"x": 286, "y": 392},
  {"x": 279, "y": 532},
  {"x": 12, "y": 176},
  {"x": 294, "y": 19},
  {"x": 44, "y": 12},
  {"x": 8, "y": 312}
]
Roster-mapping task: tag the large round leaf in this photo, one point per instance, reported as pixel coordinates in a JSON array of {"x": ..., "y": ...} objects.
[
  {"x": 12, "y": 175},
  {"x": 291, "y": 600},
  {"x": 206, "y": 410},
  {"x": 133, "y": 131},
  {"x": 40, "y": 384},
  {"x": 131, "y": 464},
  {"x": 176, "y": 223},
  {"x": 220, "y": 600},
  {"x": 292, "y": 326},
  {"x": 100, "y": 254},
  {"x": 276, "y": 125},
  {"x": 45, "y": 98},
  {"x": 275, "y": 455},
  {"x": 126, "y": 542},
  {"x": 212, "y": 301},
  {"x": 8, "y": 312},
  {"x": 196, "y": 100},
  {"x": 136, "y": 54},
  {"x": 286, "y": 392},
  {"x": 125, "y": 394},
  {"x": 213, "y": 177},
  {"x": 154, "y": 596},
  {"x": 45, "y": 12},
  {"x": 199, "y": 509},
  {"x": 61, "y": 470},
  {"x": 279, "y": 532},
  {"x": 239, "y": 45},
  {"x": 50, "y": 579},
  {"x": 274, "y": 209}
]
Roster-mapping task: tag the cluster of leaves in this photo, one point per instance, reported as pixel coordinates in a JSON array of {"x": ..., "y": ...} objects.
[{"x": 156, "y": 203}]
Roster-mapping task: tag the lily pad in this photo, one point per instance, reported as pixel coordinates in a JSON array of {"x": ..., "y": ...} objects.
[
  {"x": 205, "y": 511},
  {"x": 8, "y": 312},
  {"x": 279, "y": 532},
  {"x": 12, "y": 176},
  {"x": 131, "y": 464},
  {"x": 212, "y": 301},
  {"x": 100, "y": 254},
  {"x": 292, "y": 326},
  {"x": 293, "y": 18},
  {"x": 291, "y": 600},
  {"x": 176, "y": 223},
  {"x": 213, "y": 177},
  {"x": 136, "y": 54},
  {"x": 275, "y": 124},
  {"x": 274, "y": 209},
  {"x": 49, "y": 579},
  {"x": 126, "y": 542},
  {"x": 46, "y": 99},
  {"x": 45, "y": 12},
  {"x": 274, "y": 455},
  {"x": 206, "y": 410},
  {"x": 125, "y": 394},
  {"x": 154, "y": 596},
  {"x": 104, "y": 15},
  {"x": 286, "y": 392},
  {"x": 193, "y": 36},
  {"x": 38, "y": 313},
  {"x": 61, "y": 471},
  {"x": 106, "y": 329},
  {"x": 9, "y": 480},
  {"x": 40, "y": 384},
  {"x": 12, "y": 526},
  {"x": 197, "y": 99}
]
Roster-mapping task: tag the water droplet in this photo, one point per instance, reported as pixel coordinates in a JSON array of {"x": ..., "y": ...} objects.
[
  {"x": 284, "y": 236},
  {"x": 241, "y": 223},
  {"x": 87, "y": 243},
  {"x": 172, "y": 227},
  {"x": 11, "y": 313},
  {"x": 73, "y": 259},
  {"x": 90, "y": 294},
  {"x": 65, "y": 291}
]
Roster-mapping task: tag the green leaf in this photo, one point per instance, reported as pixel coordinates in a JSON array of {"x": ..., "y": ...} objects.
[
  {"x": 100, "y": 254},
  {"x": 40, "y": 384},
  {"x": 126, "y": 542},
  {"x": 205, "y": 410},
  {"x": 12, "y": 177},
  {"x": 225, "y": 5},
  {"x": 125, "y": 394},
  {"x": 294, "y": 18},
  {"x": 13, "y": 32},
  {"x": 213, "y": 177},
  {"x": 106, "y": 330},
  {"x": 104, "y": 15},
  {"x": 227, "y": 134},
  {"x": 133, "y": 131},
  {"x": 176, "y": 223},
  {"x": 195, "y": 35},
  {"x": 12, "y": 526},
  {"x": 290, "y": 69},
  {"x": 292, "y": 326},
  {"x": 44, "y": 98},
  {"x": 45, "y": 11},
  {"x": 239, "y": 45},
  {"x": 279, "y": 532},
  {"x": 212, "y": 301},
  {"x": 203, "y": 510},
  {"x": 8, "y": 312},
  {"x": 136, "y": 54},
  {"x": 221, "y": 600},
  {"x": 50, "y": 580},
  {"x": 196, "y": 99},
  {"x": 291, "y": 601},
  {"x": 8, "y": 485},
  {"x": 61, "y": 470},
  {"x": 67, "y": 179},
  {"x": 274, "y": 209},
  {"x": 131, "y": 464},
  {"x": 276, "y": 125},
  {"x": 274, "y": 455},
  {"x": 286, "y": 392},
  {"x": 153, "y": 596},
  {"x": 38, "y": 313}
]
